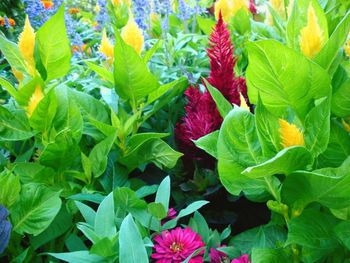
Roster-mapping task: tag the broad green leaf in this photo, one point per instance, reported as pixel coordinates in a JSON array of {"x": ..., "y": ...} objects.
[
  {"x": 163, "y": 193},
  {"x": 78, "y": 257},
  {"x": 157, "y": 210},
  {"x": 208, "y": 143},
  {"x": 266, "y": 236},
  {"x": 338, "y": 148},
  {"x": 12, "y": 54},
  {"x": 132, "y": 78},
  {"x": 44, "y": 113},
  {"x": 14, "y": 125},
  {"x": 59, "y": 226},
  {"x": 127, "y": 200},
  {"x": 317, "y": 128},
  {"x": 149, "y": 53},
  {"x": 267, "y": 126},
  {"x": 54, "y": 48},
  {"x": 104, "y": 73},
  {"x": 222, "y": 104},
  {"x": 329, "y": 52},
  {"x": 155, "y": 151},
  {"x": 205, "y": 24},
  {"x": 262, "y": 255},
  {"x": 342, "y": 231},
  {"x": 131, "y": 246},
  {"x": 99, "y": 155},
  {"x": 138, "y": 139},
  {"x": 105, "y": 247},
  {"x": 313, "y": 231},
  {"x": 74, "y": 243},
  {"x": 35, "y": 209},
  {"x": 327, "y": 186},
  {"x": 10, "y": 188},
  {"x": 285, "y": 162},
  {"x": 239, "y": 148},
  {"x": 341, "y": 100},
  {"x": 163, "y": 89},
  {"x": 281, "y": 83},
  {"x": 104, "y": 219}
]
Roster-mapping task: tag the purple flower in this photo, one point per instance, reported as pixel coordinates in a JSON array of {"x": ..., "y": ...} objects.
[
  {"x": 216, "y": 256},
  {"x": 185, "y": 10},
  {"x": 171, "y": 215},
  {"x": 5, "y": 229},
  {"x": 241, "y": 259},
  {"x": 142, "y": 11}
]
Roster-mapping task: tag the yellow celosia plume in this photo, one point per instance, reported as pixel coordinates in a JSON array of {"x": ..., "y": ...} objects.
[
  {"x": 132, "y": 35},
  {"x": 290, "y": 134},
  {"x": 244, "y": 104},
  {"x": 26, "y": 44},
  {"x": 107, "y": 48},
  {"x": 34, "y": 100},
  {"x": 347, "y": 48},
  {"x": 229, "y": 8},
  {"x": 278, "y": 6},
  {"x": 311, "y": 38},
  {"x": 118, "y": 2}
]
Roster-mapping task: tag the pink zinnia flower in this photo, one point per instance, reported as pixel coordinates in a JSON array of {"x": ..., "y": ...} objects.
[
  {"x": 217, "y": 256},
  {"x": 176, "y": 245},
  {"x": 171, "y": 215},
  {"x": 241, "y": 259},
  {"x": 252, "y": 7}
]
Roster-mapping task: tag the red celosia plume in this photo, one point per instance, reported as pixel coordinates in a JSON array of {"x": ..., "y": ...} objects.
[{"x": 202, "y": 116}]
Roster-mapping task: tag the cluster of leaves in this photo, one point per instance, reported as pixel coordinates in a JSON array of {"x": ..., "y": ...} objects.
[{"x": 304, "y": 184}]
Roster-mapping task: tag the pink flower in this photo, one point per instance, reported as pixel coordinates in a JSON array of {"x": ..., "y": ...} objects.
[
  {"x": 217, "y": 256},
  {"x": 171, "y": 215},
  {"x": 241, "y": 259},
  {"x": 252, "y": 7},
  {"x": 176, "y": 245}
]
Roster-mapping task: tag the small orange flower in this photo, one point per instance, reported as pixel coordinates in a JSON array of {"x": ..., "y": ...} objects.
[
  {"x": 73, "y": 10},
  {"x": 12, "y": 22},
  {"x": 47, "y": 4},
  {"x": 2, "y": 21}
]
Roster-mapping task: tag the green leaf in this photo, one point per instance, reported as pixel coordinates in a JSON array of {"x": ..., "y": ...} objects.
[
  {"x": 105, "y": 247},
  {"x": 262, "y": 255},
  {"x": 104, "y": 219},
  {"x": 222, "y": 104},
  {"x": 154, "y": 150},
  {"x": 99, "y": 155},
  {"x": 12, "y": 54},
  {"x": 14, "y": 125},
  {"x": 328, "y": 186},
  {"x": 239, "y": 148},
  {"x": 266, "y": 236},
  {"x": 87, "y": 212},
  {"x": 208, "y": 143},
  {"x": 149, "y": 53},
  {"x": 341, "y": 100},
  {"x": 44, "y": 113},
  {"x": 8, "y": 87},
  {"x": 163, "y": 193},
  {"x": 131, "y": 246},
  {"x": 78, "y": 257},
  {"x": 35, "y": 209},
  {"x": 205, "y": 24},
  {"x": 191, "y": 208},
  {"x": 104, "y": 73},
  {"x": 157, "y": 210},
  {"x": 342, "y": 231},
  {"x": 317, "y": 127},
  {"x": 338, "y": 148},
  {"x": 280, "y": 82},
  {"x": 316, "y": 237},
  {"x": 285, "y": 162},
  {"x": 330, "y": 50},
  {"x": 54, "y": 49},
  {"x": 127, "y": 200},
  {"x": 10, "y": 188},
  {"x": 267, "y": 126},
  {"x": 163, "y": 89},
  {"x": 132, "y": 78}
]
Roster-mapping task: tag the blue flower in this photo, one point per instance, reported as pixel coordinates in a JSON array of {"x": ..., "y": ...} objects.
[
  {"x": 5, "y": 229},
  {"x": 142, "y": 11},
  {"x": 185, "y": 11},
  {"x": 102, "y": 17}
]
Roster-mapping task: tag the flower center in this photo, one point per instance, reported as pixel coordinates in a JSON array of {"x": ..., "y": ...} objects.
[{"x": 176, "y": 247}]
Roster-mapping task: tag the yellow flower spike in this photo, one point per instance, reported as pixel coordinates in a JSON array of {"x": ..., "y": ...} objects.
[
  {"x": 278, "y": 6},
  {"x": 26, "y": 43},
  {"x": 118, "y": 2},
  {"x": 244, "y": 104},
  {"x": 19, "y": 75},
  {"x": 238, "y": 5},
  {"x": 225, "y": 6},
  {"x": 346, "y": 125},
  {"x": 106, "y": 47},
  {"x": 290, "y": 134},
  {"x": 34, "y": 100},
  {"x": 97, "y": 8},
  {"x": 347, "y": 48},
  {"x": 311, "y": 38},
  {"x": 132, "y": 35}
]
